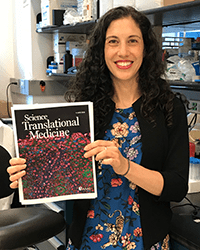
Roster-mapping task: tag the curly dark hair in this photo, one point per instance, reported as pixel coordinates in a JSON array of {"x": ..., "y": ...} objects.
[{"x": 93, "y": 81}]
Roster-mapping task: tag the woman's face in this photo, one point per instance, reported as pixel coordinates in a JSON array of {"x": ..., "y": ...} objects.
[{"x": 124, "y": 49}]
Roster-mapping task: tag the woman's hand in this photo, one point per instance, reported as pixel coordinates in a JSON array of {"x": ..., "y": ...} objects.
[
  {"x": 108, "y": 152},
  {"x": 16, "y": 170}
]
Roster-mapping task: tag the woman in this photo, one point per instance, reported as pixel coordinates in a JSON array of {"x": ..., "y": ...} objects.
[{"x": 141, "y": 141}]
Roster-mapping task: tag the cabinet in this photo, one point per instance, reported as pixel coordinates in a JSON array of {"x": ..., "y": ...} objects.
[
  {"x": 179, "y": 17},
  {"x": 184, "y": 16}
]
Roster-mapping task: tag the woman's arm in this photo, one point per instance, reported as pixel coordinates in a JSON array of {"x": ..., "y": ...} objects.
[
  {"x": 176, "y": 168},
  {"x": 150, "y": 180}
]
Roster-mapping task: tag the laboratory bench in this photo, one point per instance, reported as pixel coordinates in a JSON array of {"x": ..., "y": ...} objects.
[{"x": 185, "y": 225}]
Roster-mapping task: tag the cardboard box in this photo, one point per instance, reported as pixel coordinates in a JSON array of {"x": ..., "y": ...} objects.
[
  {"x": 106, "y": 5},
  {"x": 146, "y": 5},
  {"x": 171, "y": 2},
  {"x": 3, "y": 109},
  {"x": 151, "y": 4}
]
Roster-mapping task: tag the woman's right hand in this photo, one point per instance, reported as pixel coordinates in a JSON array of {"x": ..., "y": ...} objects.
[{"x": 16, "y": 170}]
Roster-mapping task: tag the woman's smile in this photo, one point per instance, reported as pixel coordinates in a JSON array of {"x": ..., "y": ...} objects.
[{"x": 123, "y": 64}]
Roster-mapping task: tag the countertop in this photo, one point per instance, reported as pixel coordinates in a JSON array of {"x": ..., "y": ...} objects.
[{"x": 185, "y": 226}]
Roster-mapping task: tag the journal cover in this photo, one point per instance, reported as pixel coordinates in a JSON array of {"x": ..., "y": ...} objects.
[{"x": 52, "y": 137}]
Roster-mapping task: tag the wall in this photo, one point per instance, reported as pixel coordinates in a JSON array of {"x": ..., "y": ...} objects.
[
  {"x": 6, "y": 46},
  {"x": 30, "y": 48},
  {"x": 23, "y": 52}
]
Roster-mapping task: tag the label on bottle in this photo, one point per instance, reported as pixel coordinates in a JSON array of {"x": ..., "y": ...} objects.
[{"x": 78, "y": 60}]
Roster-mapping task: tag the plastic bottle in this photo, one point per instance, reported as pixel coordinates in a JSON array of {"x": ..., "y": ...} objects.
[
  {"x": 89, "y": 10},
  {"x": 186, "y": 69},
  {"x": 194, "y": 171},
  {"x": 67, "y": 60},
  {"x": 84, "y": 10},
  {"x": 78, "y": 53}
]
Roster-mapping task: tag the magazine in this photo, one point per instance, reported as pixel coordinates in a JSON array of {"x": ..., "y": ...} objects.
[{"x": 52, "y": 137}]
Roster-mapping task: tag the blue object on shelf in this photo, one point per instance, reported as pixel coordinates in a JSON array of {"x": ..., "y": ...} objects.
[{"x": 196, "y": 46}]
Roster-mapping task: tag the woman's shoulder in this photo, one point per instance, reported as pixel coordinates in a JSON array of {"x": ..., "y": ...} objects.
[
  {"x": 180, "y": 101},
  {"x": 179, "y": 113}
]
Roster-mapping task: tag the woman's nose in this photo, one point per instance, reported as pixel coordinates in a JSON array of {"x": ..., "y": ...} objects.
[{"x": 123, "y": 50}]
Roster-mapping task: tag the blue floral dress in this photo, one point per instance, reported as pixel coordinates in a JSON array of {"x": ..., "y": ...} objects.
[{"x": 114, "y": 216}]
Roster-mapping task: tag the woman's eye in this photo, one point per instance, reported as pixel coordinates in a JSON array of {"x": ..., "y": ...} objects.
[
  {"x": 113, "y": 41},
  {"x": 132, "y": 41}
]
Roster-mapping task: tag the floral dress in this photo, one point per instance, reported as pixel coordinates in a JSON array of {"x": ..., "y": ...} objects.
[{"x": 113, "y": 220}]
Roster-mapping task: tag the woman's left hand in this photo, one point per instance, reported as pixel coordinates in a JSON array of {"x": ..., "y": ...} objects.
[{"x": 108, "y": 152}]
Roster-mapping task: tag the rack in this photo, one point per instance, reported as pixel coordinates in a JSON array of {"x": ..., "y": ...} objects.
[
  {"x": 184, "y": 16},
  {"x": 179, "y": 15},
  {"x": 176, "y": 85},
  {"x": 79, "y": 28}
]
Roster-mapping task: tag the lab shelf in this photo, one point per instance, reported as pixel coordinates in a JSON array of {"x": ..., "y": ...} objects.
[
  {"x": 173, "y": 15},
  {"x": 194, "y": 86},
  {"x": 177, "y": 14},
  {"x": 185, "y": 15},
  {"x": 79, "y": 28}
]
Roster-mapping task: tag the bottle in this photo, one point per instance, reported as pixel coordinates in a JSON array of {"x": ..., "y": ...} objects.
[
  {"x": 197, "y": 149},
  {"x": 78, "y": 52},
  {"x": 67, "y": 60},
  {"x": 89, "y": 10},
  {"x": 186, "y": 69},
  {"x": 84, "y": 10}
]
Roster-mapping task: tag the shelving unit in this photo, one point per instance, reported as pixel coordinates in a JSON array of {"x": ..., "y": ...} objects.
[
  {"x": 176, "y": 85},
  {"x": 185, "y": 16},
  {"x": 79, "y": 28},
  {"x": 179, "y": 15}
]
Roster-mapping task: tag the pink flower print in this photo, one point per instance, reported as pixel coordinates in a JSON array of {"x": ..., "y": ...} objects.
[
  {"x": 120, "y": 130},
  {"x": 131, "y": 116},
  {"x": 155, "y": 246},
  {"x": 132, "y": 245},
  {"x": 90, "y": 214},
  {"x": 132, "y": 154},
  {"x": 125, "y": 239},
  {"x": 135, "y": 128},
  {"x": 130, "y": 200},
  {"x": 116, "y": 182},
  {"x": 135, "y": 139},
  {"x": 96, "y": 237},
  {"x": 137, "y": 232},
  {"x": 135, "y": 208}
]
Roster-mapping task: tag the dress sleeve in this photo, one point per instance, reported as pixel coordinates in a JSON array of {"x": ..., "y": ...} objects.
[{"x": 176, "y": 167}]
